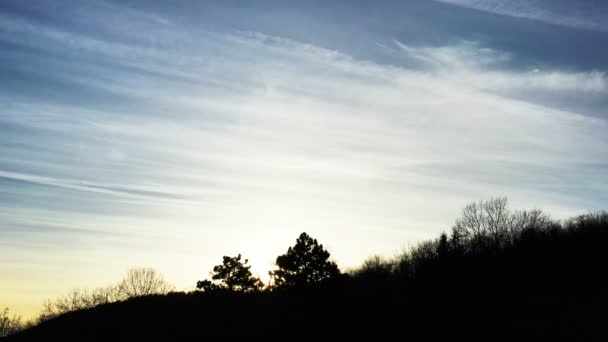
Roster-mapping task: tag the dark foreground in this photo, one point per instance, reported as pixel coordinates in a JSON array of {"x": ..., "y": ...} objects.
[
  {"x": 548, "y": 281},
  {"x": 539, "y": 312}
]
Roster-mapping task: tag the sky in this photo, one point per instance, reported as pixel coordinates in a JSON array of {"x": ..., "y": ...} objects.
[{"x": 168, "y": 134}]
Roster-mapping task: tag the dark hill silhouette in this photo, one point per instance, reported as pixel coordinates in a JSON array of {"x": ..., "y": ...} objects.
[{"x": 498, "y": 274}]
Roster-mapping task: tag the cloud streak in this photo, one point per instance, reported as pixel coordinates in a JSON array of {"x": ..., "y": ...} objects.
[{"x": 591, "y": 15}]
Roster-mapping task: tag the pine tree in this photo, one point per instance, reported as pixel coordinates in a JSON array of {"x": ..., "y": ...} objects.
[
  {"x": 304, "y": 264},
  {"x": 233, "y": 275}
]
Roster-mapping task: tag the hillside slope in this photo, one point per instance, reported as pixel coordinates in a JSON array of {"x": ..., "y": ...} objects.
[{"x": 545, "y": 282}]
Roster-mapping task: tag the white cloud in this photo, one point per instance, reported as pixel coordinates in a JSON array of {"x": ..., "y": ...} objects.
[{"x": 480, "y": 67}]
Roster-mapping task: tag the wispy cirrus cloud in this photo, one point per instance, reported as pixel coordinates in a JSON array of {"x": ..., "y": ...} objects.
[
  {"x": 484, "y": 69},
  {"x": 591, "y": 15}
]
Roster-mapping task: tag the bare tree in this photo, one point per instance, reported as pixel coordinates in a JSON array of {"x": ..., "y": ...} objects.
[
  {"x": 485, "y": 219},
  {"x": 492, "y": 222},
  {"x": 103, "y": 295},
  {"x": 472, "y": 222},
  {"x": 78, "y": 299},
  {"x": 375, "y": 266},
  {"x": 529, "y": 219},
  {"x": 74, "y": 300},
  {"x": 9, "y": 324},
  {"x": 497, "y": 217},
  {"x": 143, "y": 282},
  {"x": 420, "y": 254}
]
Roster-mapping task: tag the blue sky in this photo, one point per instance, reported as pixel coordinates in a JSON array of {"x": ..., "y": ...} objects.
[{"x": 168, "y": 134}]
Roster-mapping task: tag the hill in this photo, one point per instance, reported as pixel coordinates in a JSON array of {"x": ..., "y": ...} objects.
[{"x": 545, "y": 279}]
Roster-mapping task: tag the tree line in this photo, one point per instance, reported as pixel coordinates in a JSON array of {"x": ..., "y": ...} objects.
[{"x": 490, "y": 251}]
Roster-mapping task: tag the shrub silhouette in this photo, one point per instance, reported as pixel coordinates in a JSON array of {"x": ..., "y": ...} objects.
[
  {"x": 9, "y": 324},
  {"x": 78, "y": 300},
  {"x": 137, "y": 282},
  {"x": 306, "y": 263},
  {"x": 233, "y": 275},
  {"x": 375, "y": 268}
]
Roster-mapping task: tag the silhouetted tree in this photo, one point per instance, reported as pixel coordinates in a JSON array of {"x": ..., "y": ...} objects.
[
  {"x": 485, "y": 220},
  {"x": 79, "y": 299},
  {"x": 306, "y": 263},
  {"x": 490, "y": 224},
  {"x": 143, "y": 282},
  {"x": 423, "y": 255},
  {"x": 443, "y": 248},
  {"x": 404, "y": 268},
  {"x": 9, "y": 324},
  {"x": 375, "y": 267},
  {"x": 137, "y": 282},
  {"x": 233, "y": 274},
  {"x": 591, "y": 221}
]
